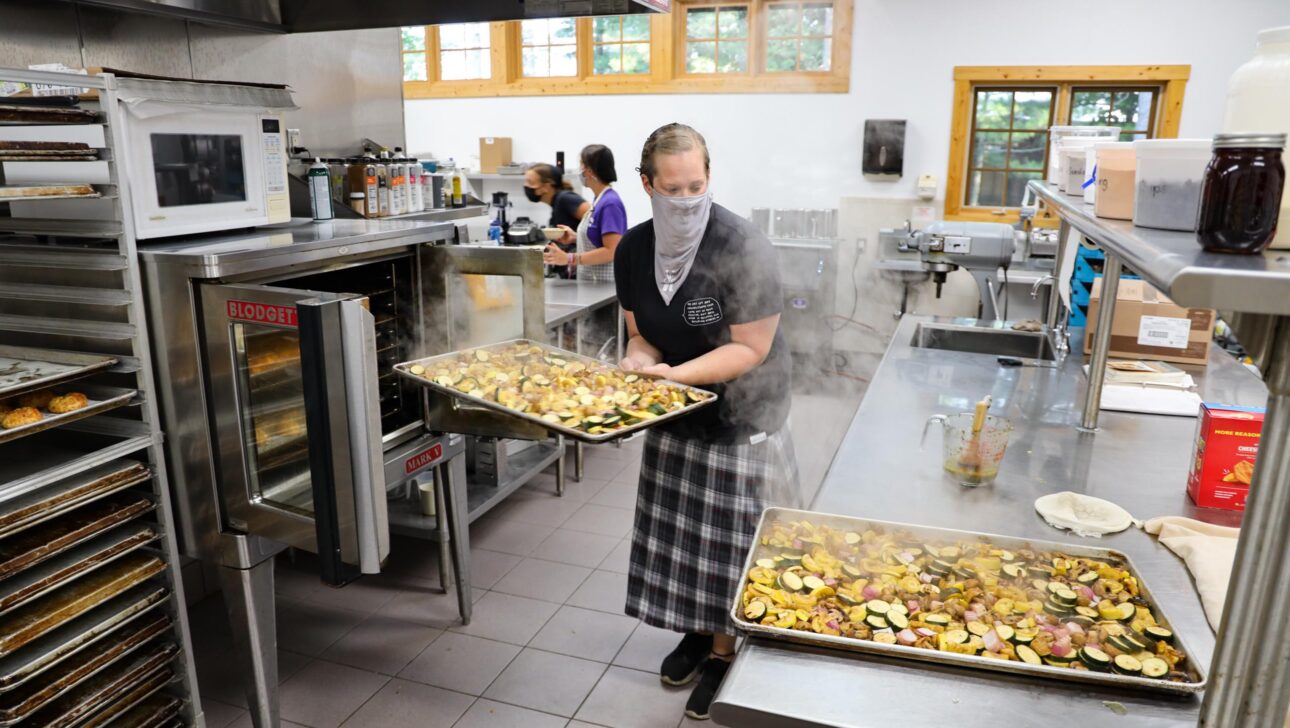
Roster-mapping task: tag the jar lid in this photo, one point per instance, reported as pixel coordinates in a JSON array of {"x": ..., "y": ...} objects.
[
  {"x": 1258, "y": 139},
  {"x": 356, "y": 195}
]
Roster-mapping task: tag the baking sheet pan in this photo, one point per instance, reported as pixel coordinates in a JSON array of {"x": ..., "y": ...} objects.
[
  {"x": 22, "y": 512},
  {"x": 16, "y": 114},
  {"x": 79, "y": 634},
  {"x": 155, "y": 711},
  {"x": 99, "y": 551},
  {"x": 24, "y": 368},
  {"x": 100, "y": 400},
  {"x": 67, "y": 531},
  {"x": 934, "y": 535},
  {"x": 115, "y": 690},
  {"x": 569, "y": 432},
  {"x": 47, "y": 191}
]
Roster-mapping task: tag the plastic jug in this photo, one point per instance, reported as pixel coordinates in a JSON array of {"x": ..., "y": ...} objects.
[{"x": 1257, "y": 101}]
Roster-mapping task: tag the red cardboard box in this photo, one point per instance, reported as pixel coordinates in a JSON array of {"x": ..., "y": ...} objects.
[{"x": 1227, "y": 444}]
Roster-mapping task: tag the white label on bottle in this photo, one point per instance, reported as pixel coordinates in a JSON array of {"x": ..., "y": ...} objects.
[{"x": 1164, "y": 331}]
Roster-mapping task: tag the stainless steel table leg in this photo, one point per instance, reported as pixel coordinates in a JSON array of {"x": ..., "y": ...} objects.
[
  {"x": 622, "y": 333},
  {"x": 1251, "y": 687},
  {"x": 1101, "y": 343},
  {"x": 578, "y": 454},
  {"x": 248, "y": 597},
  {"x": 559, "y": 466},
  {"x": 441, "y": 525},
  {"x": 457, "y": 505}
]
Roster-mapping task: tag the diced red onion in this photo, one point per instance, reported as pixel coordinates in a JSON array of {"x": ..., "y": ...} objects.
[
  {"x": 1062, "y": 633},
  {"x": 905, "y": 557},
  {"x": 925, "y": 577},
  {"x": 1074, "y": 628},
  {"x": 1047, "y": 627},
  {"x": 906, "y": 637},
  {"x": 925, "y": 632},
  {"x": 869, "y": 592},
  {"x": 797, "y": 543},
  {"x": 978, "y": 607},
  {"x": 832, "y": 625},
  {"x": 831, "y": 582},
  {"x": 971, "y": 615},
  {"x": 1087, "y": 593},
  {"x": 937, "y": 604},
  {"x": 992, "y": 641},
  {"x": 1060, "y": 650}
]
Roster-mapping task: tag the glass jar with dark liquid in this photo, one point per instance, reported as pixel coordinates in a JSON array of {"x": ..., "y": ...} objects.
[{"x": 1241, "y": 194}]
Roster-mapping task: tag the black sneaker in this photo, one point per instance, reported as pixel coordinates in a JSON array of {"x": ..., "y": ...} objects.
[
  {"x": 682, "y": 665},
  {"x": 714, "y": 671}
]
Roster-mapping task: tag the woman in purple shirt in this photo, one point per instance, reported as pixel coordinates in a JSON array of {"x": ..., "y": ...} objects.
[{"x": 603, "y": 226}]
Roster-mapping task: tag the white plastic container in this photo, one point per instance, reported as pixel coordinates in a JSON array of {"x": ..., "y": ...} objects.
[
  {"x": 1070, "y": 153},
  {"x": 1258, "y": 100},
  {"x": 1057, "y": 133},
  {"x": 1115, "y": 180},
  {"x": 1090, "y": 175},
  {"x": 1168, "y": 180}
]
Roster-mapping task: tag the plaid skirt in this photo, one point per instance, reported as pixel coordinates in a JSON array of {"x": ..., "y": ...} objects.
[{"x": 697, "y": 509}]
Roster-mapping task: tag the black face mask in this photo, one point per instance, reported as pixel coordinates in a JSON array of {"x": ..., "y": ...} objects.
[{"x": 532, "y": 194}]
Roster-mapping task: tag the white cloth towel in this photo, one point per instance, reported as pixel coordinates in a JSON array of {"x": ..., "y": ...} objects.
[{"x": 1208, "y": 551}]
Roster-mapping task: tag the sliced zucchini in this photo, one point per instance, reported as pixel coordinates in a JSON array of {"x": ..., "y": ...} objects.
[
  {"x": 897, "y": 620},
  {"x": 1024, "y": 636},
  {"x": 1016, "y": 571},
  {"x": 1089, "y": 612},
  {"x": 790, "y": 582},
  {"x": 876, "y": 621},
  {"x": 1006, "y": 555},
  {"x": 851, "y": 538},
  {"x": 951, "y": 552},
  {"x": 791, "y": 558},
  {"x": 1126, "y": 665},
  {"x": 1082, "y": 621},
  {"x": 693, "y": 396},
  {"x": 1155, "y": 667},
  {"x": 940, "y": 620},
  {"x": 1054, "y": 586},
  {"x": 1056, "y": 661},
  {"x": 1160, "y": 633},
  {"x": 1126, "y": 612},
  {"x": 978, "y": 628},
  {"x": 1094, "y": 658},
  {"x": 877, "y": 606},
  {"x": 631, "y": 378},
  {"x": 852, "y": 571},
  {"x": 657, "y": 409},
  {"x": 1087, "y": 577},
  {"x": 755, "y": 611},
  {"x": 1028, "y": 656},
  {"x": 1055, "y": 609},
  {"x": 1065, "y": 597},
  {"x": 767, "y": 563},
  {"x": 850, "y": 601},
  {"x": 885, "y": 637},
  {"x": 1005, "y": 632},
  {"x": 1120, "y": 642},
  {"x": 812, "y": 582},
  {"x": 956, "y": 637},
  {"x": 898, "y": 608},
  {"x": 1040, "y": 584},
  {"x": 1040, "y": 570}
]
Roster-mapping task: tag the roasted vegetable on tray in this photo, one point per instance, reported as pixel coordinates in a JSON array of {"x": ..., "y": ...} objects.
[
  {"x": 574, "y": 393},
  {"x": 1035, "y": 607}
]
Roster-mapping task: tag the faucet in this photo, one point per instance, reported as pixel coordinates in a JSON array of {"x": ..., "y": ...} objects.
[{"x": 1061, "y": 328}]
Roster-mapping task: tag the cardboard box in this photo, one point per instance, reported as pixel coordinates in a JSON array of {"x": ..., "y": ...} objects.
[
  {"x": 1227, "y": 445},
  {"x": 1148, "y": 325},
  {"x": 493, "y": 151}
]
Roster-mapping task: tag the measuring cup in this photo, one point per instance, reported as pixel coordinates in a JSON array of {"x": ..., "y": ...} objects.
[{"x": 972, "y": 464}]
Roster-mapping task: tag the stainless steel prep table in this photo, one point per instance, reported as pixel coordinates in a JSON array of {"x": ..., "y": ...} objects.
[
  {"x": 573, "y": 301},
  {"x": 1138, "y": 461}
]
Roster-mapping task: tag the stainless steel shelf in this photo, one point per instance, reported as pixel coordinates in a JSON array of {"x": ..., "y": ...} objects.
[
  {"x": 61, "y": 228},
  {"x": 49, "y": 256},
  {"x": 103, "y": 330},
  {"x": 442, "y": 214},
  {"x": 1174, "y": 262},
  {"x": 66, "y": 294}
]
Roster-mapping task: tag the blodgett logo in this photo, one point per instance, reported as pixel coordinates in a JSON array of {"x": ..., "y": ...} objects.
[
  {"x": 422, "y": 459},
  {"x": 262, "y": 313}
]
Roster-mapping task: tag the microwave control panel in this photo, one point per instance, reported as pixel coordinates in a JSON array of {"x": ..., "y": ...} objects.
[{"x": 275, "y": 169}]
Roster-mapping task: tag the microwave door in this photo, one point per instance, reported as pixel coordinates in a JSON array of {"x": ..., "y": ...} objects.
[{"x": 295, "y": 416}]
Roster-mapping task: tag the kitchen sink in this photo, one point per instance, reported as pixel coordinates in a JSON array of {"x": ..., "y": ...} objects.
[{"x": 981, "y": 340}]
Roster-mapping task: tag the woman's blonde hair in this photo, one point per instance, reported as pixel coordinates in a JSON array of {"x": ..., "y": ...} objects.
[{"x": 672, "y": 138}]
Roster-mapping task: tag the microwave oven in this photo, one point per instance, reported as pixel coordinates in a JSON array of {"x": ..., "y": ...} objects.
[{"x": 206, "y": 158}]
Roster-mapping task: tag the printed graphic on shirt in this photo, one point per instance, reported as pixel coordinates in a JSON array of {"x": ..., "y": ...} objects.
[{"x": 701, "y": 311}]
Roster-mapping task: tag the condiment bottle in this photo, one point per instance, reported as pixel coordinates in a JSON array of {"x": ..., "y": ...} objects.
[
  {"x": 320, "y": 191},
  {"x": 358, "y": 202},
  {"x": 1241, "y": 196}
]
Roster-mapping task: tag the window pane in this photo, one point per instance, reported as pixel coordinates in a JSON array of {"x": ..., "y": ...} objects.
[
  {"x": 732, "y": 22},
  {"x": 993, "y": 109},
  {"x": 606, "y": 28},
  {"x": 986, "y": 189},
  {"x": 732, "y": 56},
  {"x": 533, "y": 32},
  {"x": 1017, "y": 187},
  {"x": 784, "y": 20},
  {"x": 563, "y": 30},
  {"x": 451, "y": 36},
  {"x": 1090, "y": 107},
  {"x": 478, "y": 64},
  {"x": 781, "y": 55},
  {"x": 564, "y": 60},
  {"x": 989, "y": 148},
  {"x": 636, "y": 27},
  {"x": 701, "y": 23},
  {"x": 817, "y": 20},
  {"x": 414, "y": 38},
  {"x": 452, "y": 65},
  {"x": 475, "y": 35},
  {"x": 816, "y": 54},
  {"x": 414, "y": 66},
  {"x": 701, "y": 57},
  {"x": 536, "y": 62},
  {"x": 1133, "y": 109},
  {"x": 606, "y": 59},
  {"x": 1028, "y": 151},
  {"x": 636, "y": 58},
  {"x": 1033, "y": 110}
]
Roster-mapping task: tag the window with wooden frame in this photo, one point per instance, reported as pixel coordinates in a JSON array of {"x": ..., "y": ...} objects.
[
  {"x": 703, "y": 46},
  {"x": 999, "y": 132}
]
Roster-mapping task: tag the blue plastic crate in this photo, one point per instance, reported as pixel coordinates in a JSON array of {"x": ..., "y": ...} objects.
[
  {"x": 1078, "y": 318},
  {"x": 1083, "y": 271},
  {"x": 1081, "y": 292}
]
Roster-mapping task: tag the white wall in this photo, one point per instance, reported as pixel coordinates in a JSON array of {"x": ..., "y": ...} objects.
[{"x": 796, "y": 150}]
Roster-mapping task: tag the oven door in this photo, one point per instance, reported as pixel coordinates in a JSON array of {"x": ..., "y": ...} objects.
[{"x": 292, "y": 377}]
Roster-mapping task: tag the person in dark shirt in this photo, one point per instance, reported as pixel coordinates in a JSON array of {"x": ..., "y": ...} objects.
[
  {"x": 545, "y": 183},
  {"x": 699, "y": 288}
]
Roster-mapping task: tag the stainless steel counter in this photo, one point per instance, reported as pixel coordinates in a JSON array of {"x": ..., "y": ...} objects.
[
  {"x": 1138, "y": 461},
  {"x": 589, "y": 295}
]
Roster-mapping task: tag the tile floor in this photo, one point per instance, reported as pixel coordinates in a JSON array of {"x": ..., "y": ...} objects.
[{"x": 548, "y": 644}]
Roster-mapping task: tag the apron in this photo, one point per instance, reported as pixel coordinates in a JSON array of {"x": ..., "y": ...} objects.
[{"x": 601, "y": 271}]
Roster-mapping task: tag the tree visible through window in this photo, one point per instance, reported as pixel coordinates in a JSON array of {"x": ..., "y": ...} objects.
[
  {"x": 550, "y": 47},
  {"x": 1131, "y": 109},
  {"x": 621, "y": 44},
  {"x": 1009, "y": 144},
  {"x": 799, "y": 37},
  {"x": 464, "y": 51},
  {"x": 716, "y": 39},
  {"x": 413, "y": 48}
]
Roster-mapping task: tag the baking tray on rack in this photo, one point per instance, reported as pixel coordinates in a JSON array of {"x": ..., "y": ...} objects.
[
  {"x": 24, "y": 368},
  {"x": 928, "y": 534},
  {"x": 25, "y": 550},
  {"x": 30, "y": 509},
  {"x": 155, "y": 711},
  {"x": 99, "y": 400},
  {"x": 464, "y": 399},
  {"x": 103, "y": 697},
  {"x": 73, "y": 563}
]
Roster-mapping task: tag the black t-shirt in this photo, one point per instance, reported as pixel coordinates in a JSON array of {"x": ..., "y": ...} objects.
[
  {"x": 734, "y": 280},
  {"x": 564, "y": 209}
]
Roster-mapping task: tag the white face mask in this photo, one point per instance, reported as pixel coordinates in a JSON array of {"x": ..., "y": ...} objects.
[{"x": 679, "y": 224}]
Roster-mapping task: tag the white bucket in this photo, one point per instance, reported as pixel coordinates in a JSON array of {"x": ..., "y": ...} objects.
[{"x": 1056, "y": 133}]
